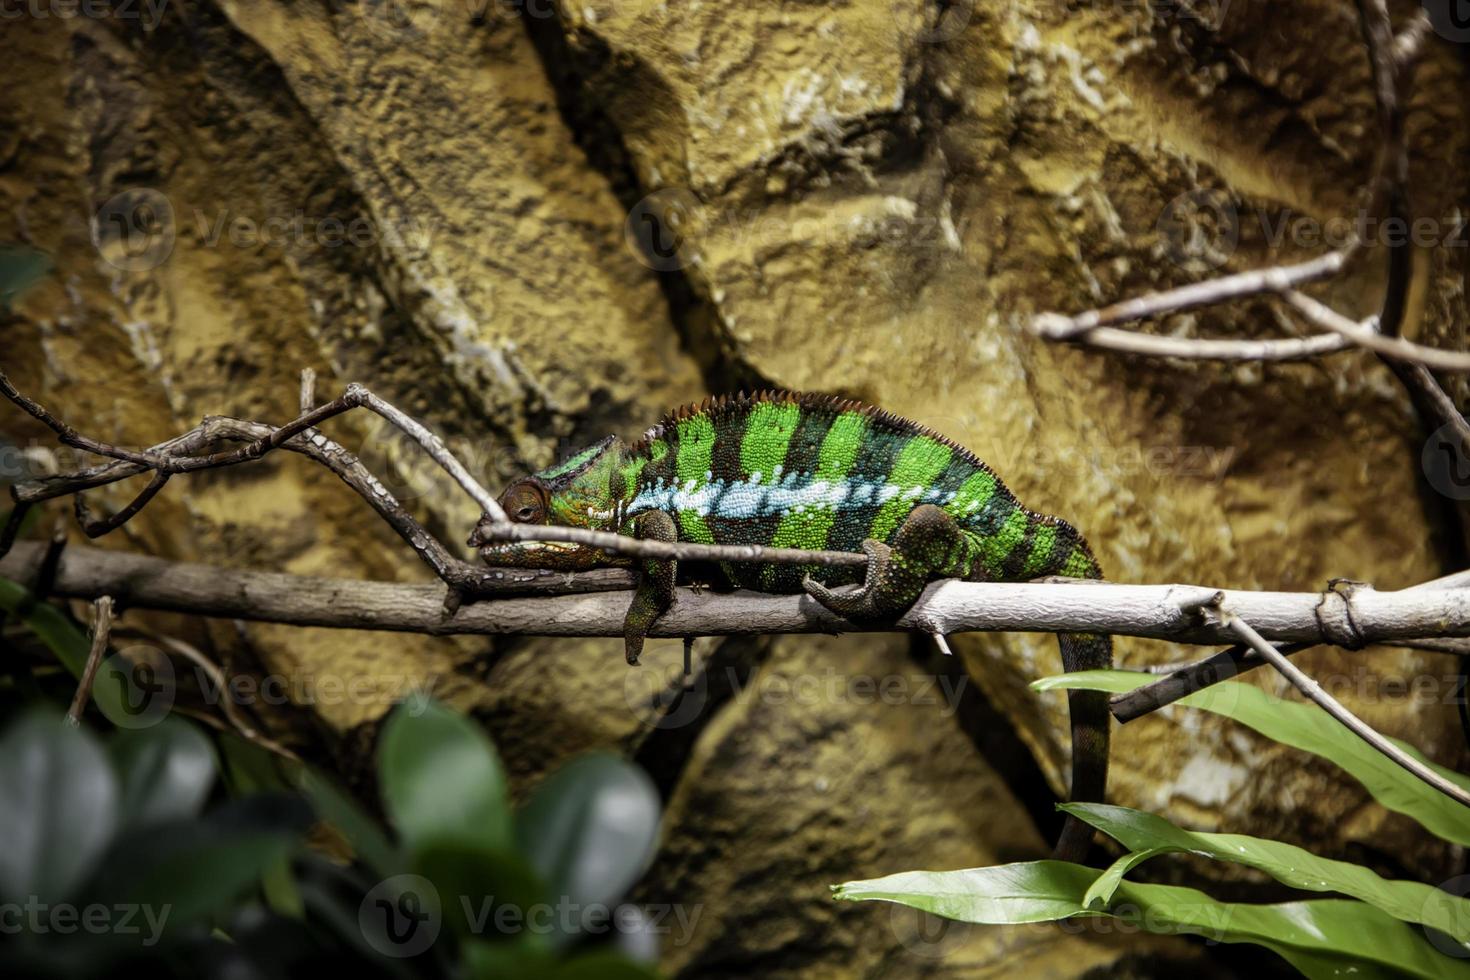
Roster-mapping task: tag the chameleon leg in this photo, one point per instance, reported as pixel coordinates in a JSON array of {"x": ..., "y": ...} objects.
[
  {"x": 928, "y": 545},
  {"x": 655, "y": 586}
]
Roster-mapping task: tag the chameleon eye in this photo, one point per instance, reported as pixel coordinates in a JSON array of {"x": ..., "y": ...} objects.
[{"x": 527, "y": 507}]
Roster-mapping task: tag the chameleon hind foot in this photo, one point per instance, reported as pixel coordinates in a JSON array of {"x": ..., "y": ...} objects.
[
  {"x": 856, "y": 604},
  {"x": 928, "y": 545}
]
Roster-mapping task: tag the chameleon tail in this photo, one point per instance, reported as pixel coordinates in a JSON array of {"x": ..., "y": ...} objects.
[
  {"x": 1091, "y": 719},
  {"x": 1090, "y": 736}
]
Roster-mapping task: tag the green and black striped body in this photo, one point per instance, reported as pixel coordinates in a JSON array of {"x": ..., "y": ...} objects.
[{"x": 815, "y": 472}]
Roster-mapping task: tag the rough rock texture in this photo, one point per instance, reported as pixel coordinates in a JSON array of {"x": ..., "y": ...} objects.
[{"x": 532, "y": 224}]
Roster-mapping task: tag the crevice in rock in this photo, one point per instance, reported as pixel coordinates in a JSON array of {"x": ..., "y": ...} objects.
[
  {"x": 570, "y": 72},
  {"x": 665, "y": 751},
  {"x": 995, "y": 739}
]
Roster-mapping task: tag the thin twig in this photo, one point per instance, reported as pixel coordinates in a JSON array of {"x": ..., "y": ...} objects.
[
  {"x": 355, "y": 396},
  {"x": 95, "y": 529},
  {"x": 12, "y": 526},
  {"x": 1189, "y": 678},
  {"x": 1212, "y": 292},
  {"x": 238, "y": 723},
  {"x": 680, "y": 550},
  {"x": 101, "y": 630},
  {"x": 1055, "y": 327},
  {"x": 1335, "y": 708},
  {"x": 1365, "y": 336}
]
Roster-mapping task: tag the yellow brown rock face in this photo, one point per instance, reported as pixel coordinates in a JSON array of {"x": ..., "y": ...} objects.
[{"x": 533, "y": 224}]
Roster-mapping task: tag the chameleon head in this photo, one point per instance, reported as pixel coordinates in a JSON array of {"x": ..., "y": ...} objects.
[{"x": 585, "y": 491}]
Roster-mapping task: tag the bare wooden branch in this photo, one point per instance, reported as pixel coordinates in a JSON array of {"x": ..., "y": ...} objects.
[
  {"x": 101, "y": 630},
  {"x": 95, "y": 529},
  {"x": 300, "y": 436},
  {"x": 1184, "y": 681},
  {"x": 1240, "y": 285},
  {"x": 307, "y": 401},
  {"x": 946, "y": 607},
  {"x": 1191, "y": 348},
  {"x": 680, "y": 550},
  {"x": 1314, "y": 692},
  {"x": 355, "y": 396},
  {"x": 1365, "y": 336}
]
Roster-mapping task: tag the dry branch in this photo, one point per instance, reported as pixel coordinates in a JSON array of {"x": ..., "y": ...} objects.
[{"x": 948, "y": 607}]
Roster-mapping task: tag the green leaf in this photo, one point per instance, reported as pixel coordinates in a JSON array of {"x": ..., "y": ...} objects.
[
  {"x": 1410, "y": 901},
  {"x": 21, "y": 267},
  {"x": 1321, "y": 937},
  {"x": 58, "y": 808},
  {"x": 493, "y": 960},
  {"x": 191, "y": 869},
  {"x": 1309, "y": 728},
  {"x": 441, "y": 778},
  {"x": 368, "y": 839},
  {"x": 68, "y": 642},
  {"x": 603, "y": 966},
  {"x": 166, "y": 772},
  {"x": 590, "y": 828},
  {"x": 1101, "y": 891},
  {"x": 488, "y": 892}
]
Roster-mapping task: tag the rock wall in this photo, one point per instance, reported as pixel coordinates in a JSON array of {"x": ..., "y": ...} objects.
[{"x": 532, "y": 223}]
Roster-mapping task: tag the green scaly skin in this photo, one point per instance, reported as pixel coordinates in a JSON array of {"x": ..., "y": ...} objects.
[{"x": 815, "y": 472}]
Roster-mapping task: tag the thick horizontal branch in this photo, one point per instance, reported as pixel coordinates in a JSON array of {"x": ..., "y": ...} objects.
[{"x": 1165, "y": 612}]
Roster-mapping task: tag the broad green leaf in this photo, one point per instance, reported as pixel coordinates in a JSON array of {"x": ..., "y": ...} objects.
[
  {"x": 58, "y": 808},
  {"x": 1410, "y": 901},
  {"x": 441, "y": 778},
  {"x": 64, "y": 639},
  {"x": 1309, "y": 728},
  {"x": 166, "y": 772},
  {"x": 487, "y": 892},
  {"x": 190, "y": 869},
  {"x": 1102, "y": 890},
  {"x": 589, "y": 829},
  {"x": 1321, "y": 937},
  {"x": 368, "y": 839}
]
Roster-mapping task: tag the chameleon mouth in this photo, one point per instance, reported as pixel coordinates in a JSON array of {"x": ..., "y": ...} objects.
[{"x": 508, "y": 548}]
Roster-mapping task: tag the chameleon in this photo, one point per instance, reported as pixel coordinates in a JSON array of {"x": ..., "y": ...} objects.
[{"x": 813, "y": 472}]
